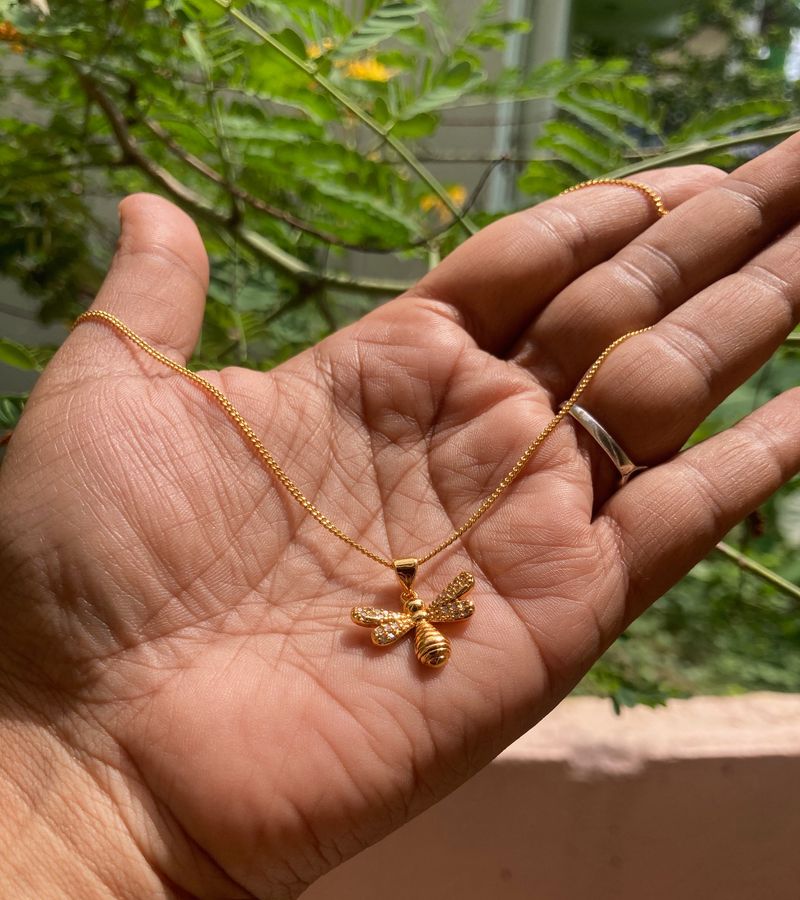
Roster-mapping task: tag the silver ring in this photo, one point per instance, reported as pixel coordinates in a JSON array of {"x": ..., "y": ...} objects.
[{"x": 626, "y": 467}]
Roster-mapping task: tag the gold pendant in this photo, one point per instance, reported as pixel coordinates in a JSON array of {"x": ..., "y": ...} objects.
[{"x": 430, "y": 645}]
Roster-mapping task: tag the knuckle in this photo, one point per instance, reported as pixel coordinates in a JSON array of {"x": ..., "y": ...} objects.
[
  {"x": 651, "y": 268},
  {"x": 769, "y": 284},
  {"x": 692, "y": 350},
  {"x": 750, "y": 199},
  {"x": 560, "y": 225}
]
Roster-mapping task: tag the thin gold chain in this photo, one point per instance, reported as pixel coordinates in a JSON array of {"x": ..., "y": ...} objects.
[
  {"x": 281, "y": 475},
  {"x": 623, "y": 182}
]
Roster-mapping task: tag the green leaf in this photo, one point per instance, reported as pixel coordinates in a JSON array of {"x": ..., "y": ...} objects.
[
  {"x": 456, "y": 76},
  {"x": 202, "y": 10},
  {"x": 545, "y": 178},
  {"x": 420, "y": 125},
  {"x": 610, "y": 107},
  {"x": 292, "y": 41},
  {"x": 553, "y": 76},
  {"x": 380, "y": 111},
  {"x": 19, "y": 356},
  {"x": 10, "y": 411},
  {"x": 587, "y": 153},
  {"x": 495, "y": 36},
  {"x": 719, "y": 122},
  {"x": 386, "y": 21},
  {"x": 268, "y": 76},
  {"x": 445, "y": 87},
  {"x": 242, "y": 124},
  {"x": 195, "y": 46}
]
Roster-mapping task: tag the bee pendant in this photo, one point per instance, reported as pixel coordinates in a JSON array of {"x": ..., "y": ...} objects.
[{"x": 430, "y": 645}]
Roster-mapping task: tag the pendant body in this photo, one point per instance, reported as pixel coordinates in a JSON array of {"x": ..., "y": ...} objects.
[
  {"x": 430, "y": 645},
  {"x": 432, "y": 648}
]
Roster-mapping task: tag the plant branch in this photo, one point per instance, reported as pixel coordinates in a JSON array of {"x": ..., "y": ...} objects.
[
  {"x": 256, "y": 203},
  {"x": 252, "y": 201},
  {"x": 8, "y": 310},
  {"x": 325, "y": 311},
  {"x": 489, "y": 99},
  {"x": 197, "y": 204},
  {"x": 645, "y": 158},
  {"x": 762, "y": 572},
  {"x": 311, "y": 69},
  {"x": 704, "y": 147}
]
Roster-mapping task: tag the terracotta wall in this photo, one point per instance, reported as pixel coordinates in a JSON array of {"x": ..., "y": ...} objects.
[{"x": 698, "y": 800}]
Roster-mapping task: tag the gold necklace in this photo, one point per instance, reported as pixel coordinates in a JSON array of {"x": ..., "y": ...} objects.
[{"x": 432, "y": 648}]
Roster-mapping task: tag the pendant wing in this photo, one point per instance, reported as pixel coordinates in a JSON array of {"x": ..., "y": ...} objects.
[
  {"x": 371, "y": 615},
  {"x": 451, "y": 605},
  {"x": 393, "y": 630},
  {"x": 389, "y": 626}
]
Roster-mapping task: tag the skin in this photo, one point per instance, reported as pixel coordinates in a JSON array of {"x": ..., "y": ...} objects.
[{"x": 187, "y": 709}]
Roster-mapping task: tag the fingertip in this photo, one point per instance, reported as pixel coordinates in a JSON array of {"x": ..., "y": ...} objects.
[
  {"x": 149, "y": 220},
  {"x": 158, "y": 279}
]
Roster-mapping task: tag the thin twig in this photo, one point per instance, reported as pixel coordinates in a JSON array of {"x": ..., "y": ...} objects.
[
  {"x": 762, "y": 572},
  {"x": 704, "y": 147},
  {"x": 473, "y": 158},
  {"x": 8, "y": 310}
]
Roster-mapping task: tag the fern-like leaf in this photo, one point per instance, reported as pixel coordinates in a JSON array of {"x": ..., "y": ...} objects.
[
  {"x": 719, "y": 122},
  {"x": 21, "y": 356},
  {"x": 611, "y": 108},
  {"x": 10, "y": 410},
  {"x": 587, "y": 153},
  {"x": 545, "y": 178},
  {"x": 386, "y": 21}
]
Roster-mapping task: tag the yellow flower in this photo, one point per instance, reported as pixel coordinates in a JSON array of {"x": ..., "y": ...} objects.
[
  {"x": 315, "y": 50},
  {"x": 457, "y": 193},
  {"x": 8, "y": 32},
  {"x": 10, "y": 35},
  {"x": 368, "y": 69},
  {"x": 431, "y": 203}
]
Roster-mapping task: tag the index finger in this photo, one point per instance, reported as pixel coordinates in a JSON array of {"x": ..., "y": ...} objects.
[
  {"x": 707, "y": 238},
  {"x": 494, "y": 283}
]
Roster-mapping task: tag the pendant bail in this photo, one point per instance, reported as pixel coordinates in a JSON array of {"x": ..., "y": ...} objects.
[{"x": 406, "y": 570}]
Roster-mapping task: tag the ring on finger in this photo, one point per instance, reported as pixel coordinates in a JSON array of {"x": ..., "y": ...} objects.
[{"x": 626, "y": 467}]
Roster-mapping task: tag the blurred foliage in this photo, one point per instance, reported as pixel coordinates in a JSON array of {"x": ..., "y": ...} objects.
[
  {"x": 721, "y": 630},
  {"x": 293, "y": 133},
  {"x": 716, "y": 69}
]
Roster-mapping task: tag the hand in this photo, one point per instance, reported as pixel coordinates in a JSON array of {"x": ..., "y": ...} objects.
[{"x": 177, "y": 640}]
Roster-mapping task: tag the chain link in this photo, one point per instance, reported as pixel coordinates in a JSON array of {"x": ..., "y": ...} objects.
[
  {"x": 294, "y": 491},
  {"x": 623, "y": 182}
]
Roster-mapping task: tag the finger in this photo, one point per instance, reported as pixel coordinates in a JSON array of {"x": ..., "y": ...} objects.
[
  {"x": 706, "y": 238},
  {"x": 656, "y": 388},
  {"x": 670, "y": 517},
  {"x": 495, "y": 282},
  {"x": 158, "y": 278}
]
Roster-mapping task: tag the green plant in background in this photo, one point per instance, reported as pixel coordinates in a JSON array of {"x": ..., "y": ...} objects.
[
  {"x": 704, "y": 80},
  {"x": 293, "y": 133}
]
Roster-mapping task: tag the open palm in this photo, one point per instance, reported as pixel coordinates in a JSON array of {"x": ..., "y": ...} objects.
[{"x": 167, "y": 590}]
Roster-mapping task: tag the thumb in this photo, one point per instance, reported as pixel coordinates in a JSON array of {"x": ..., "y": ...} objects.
[{"x": 158, "y": 278}]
